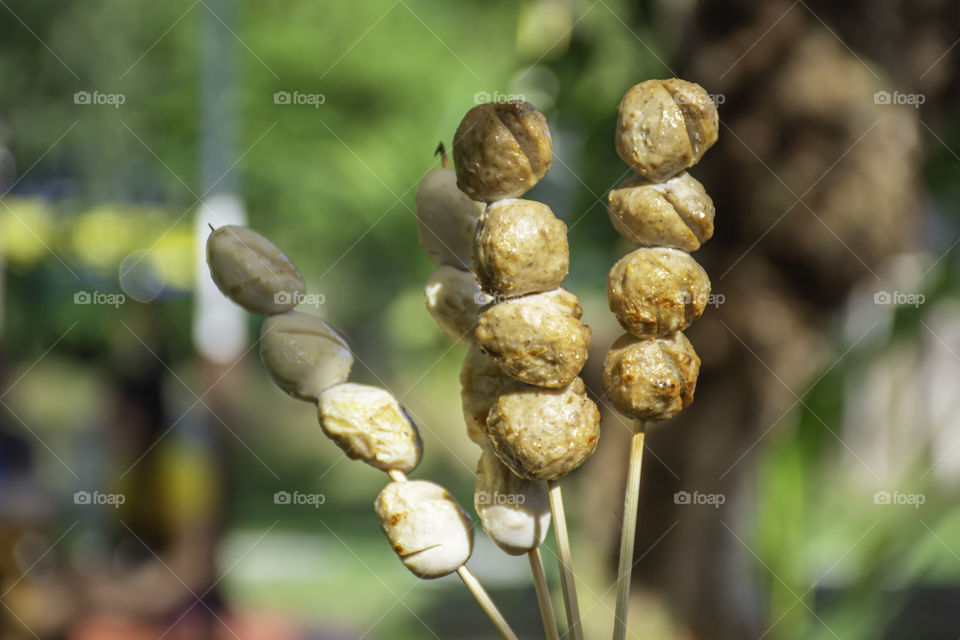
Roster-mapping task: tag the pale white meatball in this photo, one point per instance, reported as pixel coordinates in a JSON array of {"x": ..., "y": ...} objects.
[
  {"x": 425, "y": 526},
  {"x": 370, "y": 425},
  {"x": 514, "y": 512},
  {"x": 446, "y": 219},
  {"x": 303, "y": 354},
  {"x": 252, "y": 271},
  {"x": 454, "y": 299}
]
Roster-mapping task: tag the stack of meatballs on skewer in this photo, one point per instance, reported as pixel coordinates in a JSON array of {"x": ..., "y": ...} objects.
[
  {"x": 656, "y": 291},
  {"x": 501, "y": 293},
  {"x": 310, "y": 361}
]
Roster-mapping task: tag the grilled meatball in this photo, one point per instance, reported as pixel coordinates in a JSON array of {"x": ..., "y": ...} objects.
[
  {"x": 651, "y": 379},
  {"x": 537, "y": 339},
  {"x": 654, "y": 292},
  {"x": 677, "y": 213},
  {"x": 544, "y": 434},
  {"x": 665, "y": 126},
  {"x": 481, "y": 381},
  {"x": 521, "y": 247},
  {"x": 370, "y": 425},
  {"x": 501, "y": 149}
]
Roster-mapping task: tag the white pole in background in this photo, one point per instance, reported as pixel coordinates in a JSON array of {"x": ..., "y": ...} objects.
[{"x": 219, "y": 326}]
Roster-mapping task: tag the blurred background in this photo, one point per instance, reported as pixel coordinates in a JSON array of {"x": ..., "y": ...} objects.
[{"x": 146, "y": 460}]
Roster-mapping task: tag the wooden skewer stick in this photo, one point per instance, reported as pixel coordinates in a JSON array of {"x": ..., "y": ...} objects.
[
  {"x": 628, "y": 532},
  {"x": 486, "y": 603},
  {"x": 442, "y": 152},
  {"x": 543, "y": 595},
  {"x": 397, "y": 475},
  {"x": 566, "y": 564}
]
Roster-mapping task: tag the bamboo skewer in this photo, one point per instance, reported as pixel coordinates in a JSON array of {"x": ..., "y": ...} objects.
[
  {"x": 486, "y": 603},
  {"x": 566, "y": 564},
  {"x": 628, "y": 531},
  {"x": 543, "y": 595}
]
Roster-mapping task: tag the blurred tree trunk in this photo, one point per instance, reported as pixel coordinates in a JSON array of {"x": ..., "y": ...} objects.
[{"x": 815, "y": 185}]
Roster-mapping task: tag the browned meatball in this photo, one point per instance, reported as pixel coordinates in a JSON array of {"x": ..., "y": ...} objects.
[
  {"x": 481, "y": 381},
  {"x": 520, "y": 247},
  {"x": 537, "y": 339},
  {"x": 501, "y": 149},
  {"x": 544, "y": 434},
  {"x": 677, "y": 213},
  {"x": 665, "y": 126},
  {"x": 654, "y": 292},
  {"x": 651, "y": 379}
]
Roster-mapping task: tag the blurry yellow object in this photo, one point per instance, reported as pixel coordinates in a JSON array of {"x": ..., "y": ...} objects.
[
  {"x": 174, "y": 252},
  {"x": 26, "y": 230},
  {"x": 106, "y": 234},
  {"x": 190, "y": 490}
]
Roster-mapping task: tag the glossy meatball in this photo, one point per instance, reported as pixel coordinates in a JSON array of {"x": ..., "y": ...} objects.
[
  {"x": 651, "y": 379},
  {"x": 544, "y": 434},
  {"x": 653, "y": 292}
]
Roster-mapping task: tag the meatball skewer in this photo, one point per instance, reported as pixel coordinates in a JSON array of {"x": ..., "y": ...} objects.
[
  {"x": 514, "y": 512},
  {"x": 664, "y": 127},
  {"x": 541, "y": 424},
  {"x": 310, "y": 361}
]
